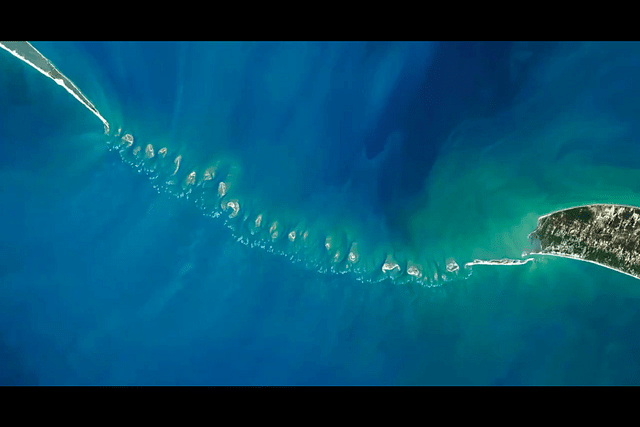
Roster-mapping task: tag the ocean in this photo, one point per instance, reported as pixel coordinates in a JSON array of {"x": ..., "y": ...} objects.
[{"x": 338, "y": 191}]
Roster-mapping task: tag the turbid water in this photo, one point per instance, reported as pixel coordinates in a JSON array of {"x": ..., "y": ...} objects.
[{"x": 316, "y": 152}]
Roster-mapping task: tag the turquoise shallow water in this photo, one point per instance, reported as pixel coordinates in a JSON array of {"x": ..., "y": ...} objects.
[{"x": 444, "y": 150}]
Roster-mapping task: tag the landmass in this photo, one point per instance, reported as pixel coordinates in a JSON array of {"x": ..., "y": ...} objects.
[
  {"x": 503, "y": 261},
  {"x": 604, "y": 234},
  {"x": 28, "y": 54}
]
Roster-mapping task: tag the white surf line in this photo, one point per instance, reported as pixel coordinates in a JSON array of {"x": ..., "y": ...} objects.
[
  {"x": 28, "y": 54},
  {"x": 503, "y": 261},
  {"x": 25, "y": 52},
  {"x": 584, "y": 206},
  {"x": 559, "y": 255}
]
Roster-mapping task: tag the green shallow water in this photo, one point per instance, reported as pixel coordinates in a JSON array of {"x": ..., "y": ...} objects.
[
  {"x": 566, "y": 137},
  {"x": 224, "y": 125}
]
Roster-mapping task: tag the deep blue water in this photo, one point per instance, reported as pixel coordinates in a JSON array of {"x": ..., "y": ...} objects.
[{"x": 103, "y": 280}]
